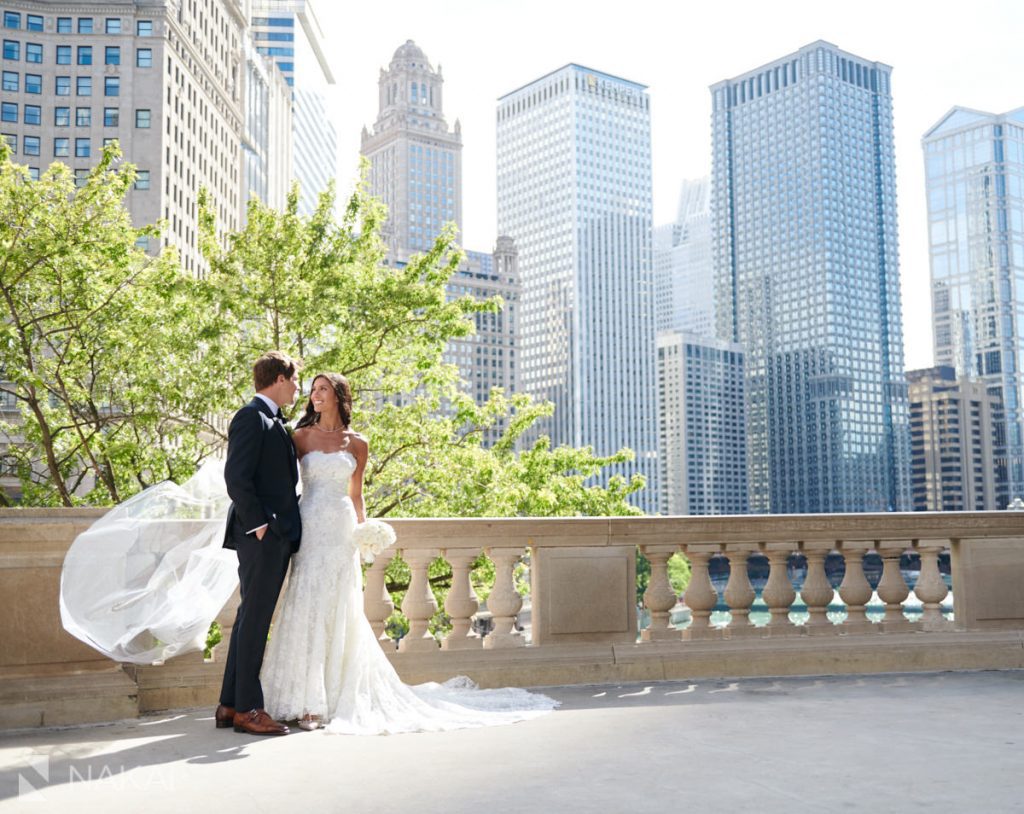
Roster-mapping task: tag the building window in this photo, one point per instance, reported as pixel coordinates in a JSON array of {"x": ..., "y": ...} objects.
[
  {"x": 33, "y": 173},
  {"x": 143, "y": 57},
  {"x": 12, "y": 142},
  {"x": 12, "y": 19},
  {"x": 34, "y": 52},
  {"x": 111, "y": 117},
  {"x": 11, "y": 81},
  {"x": 85, "y": 25},
  {"x": 61, "y": 146},
  {"x": 33, "y": 83},
  {"x": 142, "y": 119},
  {"x": 112, "y": 55},
  {"x": 34, "y": 22},
  {"x": 142, "y": 179},
  {"x": 144, "y": 28},
  {"x": 12, "y": 49},
  {"x": 84, "y": 86},
  {"x": 30, "y": 145},
  {"x": 109, "y": 140},
  {"x": 33, "y": 114},
  {"x": 112, "y": 86},
  {"x": 63, "y": 25},
  {"x": 62, "y": 117},
  {"x": 83, "y": 117},
  {"x": 113, "y": 25},
  {"x": 63, "y": 54},
  {"x": 81, "y": 176},
  {"x": 83, "y": 148},
  {"x": 9, "y": 112},
  {"x": 85, "y": 55}
]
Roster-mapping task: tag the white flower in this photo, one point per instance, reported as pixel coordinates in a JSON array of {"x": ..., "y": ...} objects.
[{"x": 373, "y": 537}]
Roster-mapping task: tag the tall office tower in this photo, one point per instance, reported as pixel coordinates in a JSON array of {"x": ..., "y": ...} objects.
[
  {"x": 289, "y": 32},
  {"x": 806, "y": 279},
  {"x": 574, "y": 189},
  {"x": 684, "y": 292},
  {"x": 267, "y": 136},
  {"x": 702, "y": 439},
  {"x": 952, "y": 435},
  {"x": 415, "y": 159},
  {"x": 487, "y": 358},
  {"x": 974, "y": 169},
  {"x": 162, "y": 78}
]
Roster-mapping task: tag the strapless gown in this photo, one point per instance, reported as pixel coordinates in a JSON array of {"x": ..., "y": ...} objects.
[{"x": 323, "y": 657}]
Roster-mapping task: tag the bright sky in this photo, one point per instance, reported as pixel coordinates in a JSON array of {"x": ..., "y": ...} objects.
[{"x": 943, "y": 53}]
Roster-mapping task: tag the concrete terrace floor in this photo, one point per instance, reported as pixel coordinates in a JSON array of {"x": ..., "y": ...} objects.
[{"x": 950, "y": 742}]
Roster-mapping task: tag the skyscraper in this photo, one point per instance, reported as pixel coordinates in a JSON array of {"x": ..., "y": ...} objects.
[
  {"x": 974, "y": 170},
  {"x": 289, "y": 32},
  {"x": 804, "y": 224},
  {"x": 574, "y": 190},
  {"x": 951, "y": 440},
  {"x": 684, "y": 291},
  {"x": 415, "y": 159},
  {"x": 701, "y": 434}
]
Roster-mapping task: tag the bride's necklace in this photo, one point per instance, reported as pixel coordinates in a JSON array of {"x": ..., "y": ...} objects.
[{"x": 324, "y": 429}]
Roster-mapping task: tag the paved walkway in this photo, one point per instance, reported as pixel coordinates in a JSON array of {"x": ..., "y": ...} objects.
[{"x": 949, "y": 742}]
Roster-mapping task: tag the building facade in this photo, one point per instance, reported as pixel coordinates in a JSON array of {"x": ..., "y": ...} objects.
[
  {"x": 574, "y": 189},
  {"x": 806, "y": 279},
  {"x": 974, "y": 175},
  {"x": 267, "y": 135},
  {"x": 288, "y": 32},
  {"x": 163, "y": 78},
  {"x": 952, "y": 438},
  {"x": 684, "y": 291},
  {"x": 701, "y": 429},
  {"x": 415, "y": 158}
]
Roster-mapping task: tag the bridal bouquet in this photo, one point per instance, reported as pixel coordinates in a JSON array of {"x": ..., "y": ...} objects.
[{"x": 373, "y": 537}]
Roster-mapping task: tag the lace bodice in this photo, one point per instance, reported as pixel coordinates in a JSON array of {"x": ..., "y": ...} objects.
[{"x": 328, "y": 515}]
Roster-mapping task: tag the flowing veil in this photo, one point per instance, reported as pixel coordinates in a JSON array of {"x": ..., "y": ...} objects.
[{"x": 145, "y": 581}]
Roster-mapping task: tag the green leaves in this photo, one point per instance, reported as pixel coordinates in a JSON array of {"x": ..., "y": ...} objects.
[{"x": 124, "y": 366}]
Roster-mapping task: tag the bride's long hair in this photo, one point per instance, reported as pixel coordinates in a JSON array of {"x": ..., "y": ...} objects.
[{"x": 341, "y": 390}]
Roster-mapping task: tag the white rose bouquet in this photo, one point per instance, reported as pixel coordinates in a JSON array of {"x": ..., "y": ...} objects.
[{"x": 373, "y": 537}]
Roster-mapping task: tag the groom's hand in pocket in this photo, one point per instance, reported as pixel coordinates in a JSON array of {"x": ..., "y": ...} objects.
[{"x": 261, "y": 531}]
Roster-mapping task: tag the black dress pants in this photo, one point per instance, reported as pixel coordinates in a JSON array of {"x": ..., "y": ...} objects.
[{"x": 262, "y": 565}]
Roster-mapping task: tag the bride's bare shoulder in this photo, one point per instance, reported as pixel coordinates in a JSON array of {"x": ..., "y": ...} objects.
[{"x": 358, "y": 442}]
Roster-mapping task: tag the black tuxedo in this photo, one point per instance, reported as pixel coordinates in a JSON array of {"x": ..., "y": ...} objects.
[{"x": 261, "y": 473}]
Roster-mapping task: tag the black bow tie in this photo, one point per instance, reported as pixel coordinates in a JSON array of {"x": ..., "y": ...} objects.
[{"x": 279, "y": 416}]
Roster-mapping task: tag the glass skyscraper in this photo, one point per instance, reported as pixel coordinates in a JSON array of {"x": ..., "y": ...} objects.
[
  {"x": 289, "y": 32},
  {"x": 806, "y": 278},
  {"x": 574, "y": 190},
  {"x": 974, "y": 165}
]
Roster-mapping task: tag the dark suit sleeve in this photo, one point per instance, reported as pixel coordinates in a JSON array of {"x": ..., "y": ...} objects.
[{"x": 245, "y": 441}]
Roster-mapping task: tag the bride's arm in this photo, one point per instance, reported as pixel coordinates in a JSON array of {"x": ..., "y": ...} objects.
[{"x": 360, "y": 450}]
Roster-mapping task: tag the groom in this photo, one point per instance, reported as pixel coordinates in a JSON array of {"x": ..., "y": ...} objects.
[{"x": 264, "y": 527}]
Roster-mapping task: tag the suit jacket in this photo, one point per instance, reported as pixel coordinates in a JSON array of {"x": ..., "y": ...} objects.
[{"x": 261, "y": 473}]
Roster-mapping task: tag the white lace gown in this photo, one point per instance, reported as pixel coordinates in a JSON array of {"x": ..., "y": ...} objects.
[{"x": 323, "y": 657}]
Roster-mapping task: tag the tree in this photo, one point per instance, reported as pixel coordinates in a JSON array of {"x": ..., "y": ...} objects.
[{"x": 98, "y": 340}]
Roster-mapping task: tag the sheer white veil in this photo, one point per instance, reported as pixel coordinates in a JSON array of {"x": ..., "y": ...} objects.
[{"x": 146, "y": 580}]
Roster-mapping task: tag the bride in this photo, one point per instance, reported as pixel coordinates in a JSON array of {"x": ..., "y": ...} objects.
[{"x": 324, "y": 666}]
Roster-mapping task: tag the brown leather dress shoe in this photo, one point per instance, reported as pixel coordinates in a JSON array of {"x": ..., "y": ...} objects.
[
  {"x": 258, "y": 722},
  {"x": 224, "y": 716}
]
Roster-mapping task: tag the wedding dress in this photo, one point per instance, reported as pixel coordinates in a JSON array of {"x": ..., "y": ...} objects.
[{"x": 323, "y": 658}]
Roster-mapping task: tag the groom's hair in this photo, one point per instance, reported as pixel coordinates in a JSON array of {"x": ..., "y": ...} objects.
[{"x": 271, "y": 365}]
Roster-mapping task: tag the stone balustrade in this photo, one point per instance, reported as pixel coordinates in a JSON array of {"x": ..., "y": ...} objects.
[{"x": 583, "y": 606}]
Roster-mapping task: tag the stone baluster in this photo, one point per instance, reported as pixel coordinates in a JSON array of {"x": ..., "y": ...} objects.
[
  {"x": 892, "y": 588},
  {"x": 817, "y": 593},
  {"x": 504, "y": 603},
  {"x": 778, "y": 593},
  {"x": 700, "y": 596},
  {"x": 377, "y": 602},
  {"x": 419, "y": 604},
  {"x": 659, "y": 598},
  {"x": 739, "y": 593},
  {"x": 461, "y": 602},
  {"x": 855, "y": 590},
  {"x": 931, "y": 587}
]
